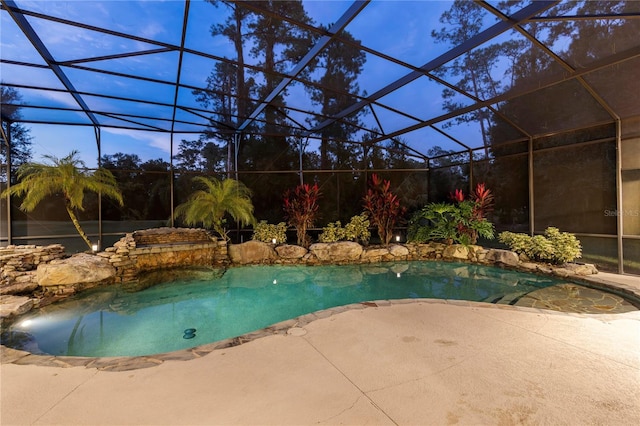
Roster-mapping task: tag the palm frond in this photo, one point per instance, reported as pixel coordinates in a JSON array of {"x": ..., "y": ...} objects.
[{"x": 208, "y": 206}]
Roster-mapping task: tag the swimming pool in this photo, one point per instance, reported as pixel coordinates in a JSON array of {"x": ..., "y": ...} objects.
[{"x": 185, "y": 313}]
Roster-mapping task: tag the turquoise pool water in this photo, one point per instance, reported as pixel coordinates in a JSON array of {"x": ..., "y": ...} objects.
[{"x": 114, "y": 322}]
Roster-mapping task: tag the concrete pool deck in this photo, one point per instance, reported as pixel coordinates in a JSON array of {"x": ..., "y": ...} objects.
[{"x": 422, "y": 362}]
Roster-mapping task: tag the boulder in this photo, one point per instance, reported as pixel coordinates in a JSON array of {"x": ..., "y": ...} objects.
[
  {"x": 289, "y": 251},
  {"x": 251, "y": 252},
  {"x": 506, "y": 257},
  {"x": 456, "y": 252},
  {"x": 79, "y": 271},
  {"x": 581, "y": 268},
  {"x": 337, "y": 252},
  {"x": 397, "y": 250},
  {"x": 374, "y": 254}
]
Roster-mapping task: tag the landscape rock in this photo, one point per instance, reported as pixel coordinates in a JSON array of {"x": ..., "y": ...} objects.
[
  {"x": 82, "y": 270},
  {"x": 251, "y": 252},
  {"x": 18, "y": 283},
  {"x": 289, "y": 251},
  {"x": 14, "y": 305},
  {"x": 374, "y": 254},
  {"x": 502, "y": 256},
  {"x": 581, "y": 268},
  {"x": 456, "y": 252},
  {"x": 397, "y": 250},
  {"x": 337, "y": 252}
]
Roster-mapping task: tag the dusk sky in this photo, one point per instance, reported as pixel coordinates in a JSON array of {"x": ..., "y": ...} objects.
[{"x": 401, "y": 29}]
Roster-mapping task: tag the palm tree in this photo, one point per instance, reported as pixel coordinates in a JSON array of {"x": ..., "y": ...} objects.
[
  {"x": 209, "y": 205},
  {"x": 69, "y": 176}
]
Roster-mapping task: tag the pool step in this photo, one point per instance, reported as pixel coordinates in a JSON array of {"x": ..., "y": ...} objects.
[{"x": 506, "y": 299}]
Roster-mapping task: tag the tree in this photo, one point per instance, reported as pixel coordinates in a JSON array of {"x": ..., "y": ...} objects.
[
  {"x": 208, "y": 206},
  {"x": 462, "y": 21},
  {"x": 10, "y": 101},
  {"x": 341, "y": 64},
  {"x": 126, "y": 169},
  {"x": 200, "y": 155},
  {"x": 67, "y": 175},
  {"x": 145, "y": 186},
  {"x": 277, "y": 45},
  {"x": 228, "y": 91},
  {"x": 449, "y": 170}
]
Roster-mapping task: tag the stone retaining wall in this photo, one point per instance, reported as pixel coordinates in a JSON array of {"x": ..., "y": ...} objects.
[
  {"x": 254, "y": 252},
  {"x": 164, "y": 248},
  {"x": 18, "y": 265},
  {"x": 157, "y": 236}
]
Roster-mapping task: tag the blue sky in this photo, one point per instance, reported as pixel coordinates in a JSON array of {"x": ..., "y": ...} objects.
[{"x": 397, "y": 28}]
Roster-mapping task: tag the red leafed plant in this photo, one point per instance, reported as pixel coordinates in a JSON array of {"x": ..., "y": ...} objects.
[
  {"x": 474, "y": 212},
  {"x": 483, "y": 199},
  {"x": 382, "y": 207},
  {"x": 457, "y": 195},
  {"x": 301, "y": 208}
]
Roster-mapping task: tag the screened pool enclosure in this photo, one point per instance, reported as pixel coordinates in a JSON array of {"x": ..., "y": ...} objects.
[{"x": 539, "y": 100}]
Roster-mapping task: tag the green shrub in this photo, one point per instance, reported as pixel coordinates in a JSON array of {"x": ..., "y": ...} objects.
[
  {"x": 567, "y": 247},
  {"x": 553, "y": 247},
  {"x": 356, "y": 230},
  {"x": 266, "y": 232},
  {"x": 516, "y": 242},
  {"x": 332, "y": 233}
]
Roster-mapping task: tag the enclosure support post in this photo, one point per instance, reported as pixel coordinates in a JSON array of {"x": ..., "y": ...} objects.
[
  {"x": 171, "y": 177},
  {"x": 532, "y": 215},
  {"x": 7, "y": 141},
  {"x": 300, "y": 161},
  {"x": 470, "y": 171},
  {"x": 619, "y": 206},
  {"x": 236, "y": 143},
  {"x": 96, "y": 130},
  {"x": 428, "y": 180}
]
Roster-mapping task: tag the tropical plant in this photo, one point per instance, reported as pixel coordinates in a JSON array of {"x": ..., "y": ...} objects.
[
  {"x": 208, "y": 206},
  {"x": 462, "y": 222},
  {"x": 332, "y": 233},
  {"x": 472, "y": 222},
  {"x": 301, "y": 208},
  {"x": 435, "y": 221},
  {"x": 554, "y": 246},
  {"x": 267, "y": 232},
  {"x": 356, "y": 230},
  {"x": 69, "y": 176},
  {"x": 382, "y": 207}
]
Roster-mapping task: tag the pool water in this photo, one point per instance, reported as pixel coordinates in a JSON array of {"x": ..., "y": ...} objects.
[{"x": 115, "y": 322}]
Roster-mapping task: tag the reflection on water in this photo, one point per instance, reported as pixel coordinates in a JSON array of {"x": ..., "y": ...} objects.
[{"x": 117, "y": 322}]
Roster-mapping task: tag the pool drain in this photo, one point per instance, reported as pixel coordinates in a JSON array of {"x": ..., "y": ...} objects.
[{"x": 189, "y": 333}]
